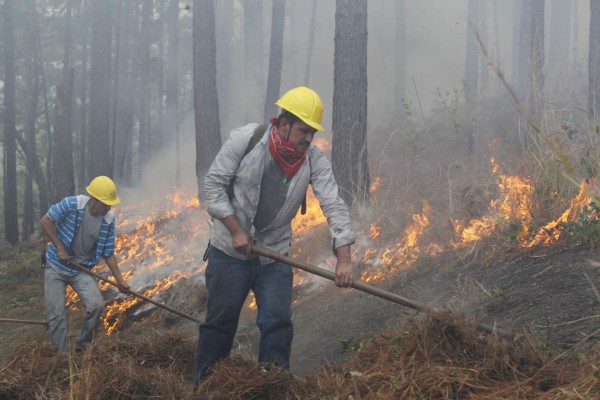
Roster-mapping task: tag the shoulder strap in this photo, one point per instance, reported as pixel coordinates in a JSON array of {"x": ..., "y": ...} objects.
[
  {"x": 256, "y": 136},
  {"x": 303, "y": 206}
]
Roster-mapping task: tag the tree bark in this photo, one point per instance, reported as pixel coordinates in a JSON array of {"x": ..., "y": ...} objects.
[
  {"x": 206, "y": 103},
  {"x": 275, "y": 59},
  {"x": 99, "y": 143},
  {"x": 472, "y": 53},
  {"x": 254, "y": 70},
  {"x": 594, "y": 63},
  {"x": 536, "y": 91},
  {"x": 144, "y": 84},
  {"x": 62, "y": 179},
  {"x": 84, "y": 34},
  {"x": 483, "y": 32},
  {"x": 560, "y": 37},
  {"x": 224, "y": 39},
  {"x": 471, "y": 73},
  {"x": 311, "y": 42},
  {"x": 172, "y": 111},
  {"x": 349, "y": 147},
  {"x": 400, "y": 58},
  {"x": 524, "y": 47},
  {"x": 11, "y": 222}
]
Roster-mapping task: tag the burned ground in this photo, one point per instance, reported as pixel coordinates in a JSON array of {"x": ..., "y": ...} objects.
[{"x": 341, "y": 335}]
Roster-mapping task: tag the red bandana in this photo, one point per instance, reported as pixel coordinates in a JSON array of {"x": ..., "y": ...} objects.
[{"x": 288, "y": 158}]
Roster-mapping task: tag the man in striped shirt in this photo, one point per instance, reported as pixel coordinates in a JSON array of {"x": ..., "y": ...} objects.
[{"x": 81, "y": 230}]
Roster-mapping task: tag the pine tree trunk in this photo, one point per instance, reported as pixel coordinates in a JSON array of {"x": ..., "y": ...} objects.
[
  {"x": 400, "y": 58},
  {"x": 99, "y": 143},
  {"x": 349, "y": 147},
  {"x": 144, "y": 83},
  {"x": 11, "y": 222},
  {"x": 84, "y": 34},
  {"x": 254, "y": 70},
  {"x": 560, "y": 37},
  {"x": 124, "y": 96},
  {"x": 206, "y": 103},
  {"x": 524, "y": 48},
  {"x": 62, "y": 180},
  {"x": 311, "y": 42},
  {"x": 275, "y": 59},
  {"x": 594, "y": 63},
  {"x": 172, "y": 111},
  {"x": 483, "y": 31},
  {"x": 224, "y": 40},
  {"x": 471, "y": 73},
  {"x": 536, "y": 92}
]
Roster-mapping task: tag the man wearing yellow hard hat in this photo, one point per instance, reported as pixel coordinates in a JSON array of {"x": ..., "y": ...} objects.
[
  {"x": 253, "y": 191},
  {"x": 81, "y": 230}
]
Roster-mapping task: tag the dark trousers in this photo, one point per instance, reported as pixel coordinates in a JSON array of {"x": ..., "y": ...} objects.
[{"x": 229, "y": 281}]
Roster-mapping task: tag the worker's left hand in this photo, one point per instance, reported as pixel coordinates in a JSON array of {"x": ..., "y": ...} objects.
[
  {"x": 123, "y": 286},
  {"x": 343, "y": 273}
]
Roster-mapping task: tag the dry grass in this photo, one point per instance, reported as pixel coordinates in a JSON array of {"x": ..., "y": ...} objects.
[{"x": 434, "y": 358}]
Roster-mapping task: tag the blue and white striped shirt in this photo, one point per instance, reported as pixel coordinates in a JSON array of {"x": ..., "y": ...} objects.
[{"x": 67, "y": 215}]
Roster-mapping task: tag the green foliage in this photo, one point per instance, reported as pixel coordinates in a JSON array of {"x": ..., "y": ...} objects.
[
  {"x": 585, "y": 231},
  {"x": 351, "y": 345}
]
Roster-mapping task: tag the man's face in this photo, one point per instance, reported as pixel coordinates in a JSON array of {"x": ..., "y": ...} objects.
[
  {"x": 300, "y": 135},
  {"x": 98, "y": 208}
]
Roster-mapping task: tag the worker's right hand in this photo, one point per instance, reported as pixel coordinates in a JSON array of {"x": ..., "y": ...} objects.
[
  {"x": 62, "y": 254},
  {"x": 241, "y": 241}
]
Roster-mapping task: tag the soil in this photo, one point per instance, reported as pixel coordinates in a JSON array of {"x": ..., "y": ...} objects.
[{"x": 552, "y": 294}]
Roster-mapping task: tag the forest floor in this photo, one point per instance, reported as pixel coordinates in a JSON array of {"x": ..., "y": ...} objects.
[{"x": 552, "y": 294}]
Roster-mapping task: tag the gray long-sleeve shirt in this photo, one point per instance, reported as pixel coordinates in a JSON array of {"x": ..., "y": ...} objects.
[{"x": 247, "y": 173}]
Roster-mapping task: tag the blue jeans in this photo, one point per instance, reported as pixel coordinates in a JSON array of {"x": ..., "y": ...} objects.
[
  {"x": 86, "y": 286},
  {"x": 229, "y": 281}
]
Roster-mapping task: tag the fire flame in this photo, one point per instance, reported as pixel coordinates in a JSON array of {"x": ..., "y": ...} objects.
[
  {"x": 153, "y": 253},
  {"x": 404, "y": 253},
  {"x": 514, "y": 203},
  {"x": 550, "y": 232}
]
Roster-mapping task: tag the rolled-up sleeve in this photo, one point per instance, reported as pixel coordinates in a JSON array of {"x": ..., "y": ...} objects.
[
  {"x": 223, "y": 170},
  {"x": 334, "y": 208}
]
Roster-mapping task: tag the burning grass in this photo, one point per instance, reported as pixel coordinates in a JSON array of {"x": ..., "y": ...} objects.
[{"x": 432, "y": 358}]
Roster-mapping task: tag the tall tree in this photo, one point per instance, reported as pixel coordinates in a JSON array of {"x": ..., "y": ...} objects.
[
  {"x": 311, "y": 42},
  {"x": 144, "y": 82},
  {"x": 560, "y": 36},
  {"x": 62, "y": 179},
  {"x": 523, "y": 49},
  {"x": 33, "y": 89},
  {"x": 400, "y": 58},
  {"x": 471, "y": 72},
  {"x": 125, "y": 94},
  {"x": 83, "y": 35},
  {"x": 224, "y": 39},
  {"x": 171, "y": 117},
  {"x": 537, "y": 60},
  {"x": 28, "y": 145},
  {"x": 483, "y": 32},
  {"x": 472, "y": 53},
  {"x": 349, "y": 147},
  {"x": 206, "y": 103},
  {"x": 11, "y": 222},
  {"x": 594, "y": 63},
  {"x": 254, "y": 70},
  {"x": 99, "y": 143},
  {"x": 275, "y": 59}
]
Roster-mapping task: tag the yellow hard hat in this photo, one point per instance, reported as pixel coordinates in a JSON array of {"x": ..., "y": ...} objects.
[
  {"x": 104, "y": 189},
  {"x": 305, "y": 104}
]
